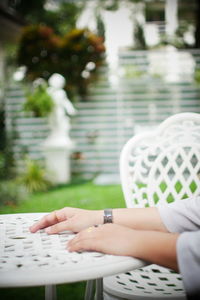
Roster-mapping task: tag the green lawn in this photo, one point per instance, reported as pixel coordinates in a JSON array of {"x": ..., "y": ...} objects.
[{"x": 83, "y": 195}]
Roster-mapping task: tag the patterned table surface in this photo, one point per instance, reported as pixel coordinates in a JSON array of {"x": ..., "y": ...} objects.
[{"x": 28, "y": 259}]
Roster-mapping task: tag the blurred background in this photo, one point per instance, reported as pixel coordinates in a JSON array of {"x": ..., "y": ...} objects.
[{"x": 127, "y": 65}]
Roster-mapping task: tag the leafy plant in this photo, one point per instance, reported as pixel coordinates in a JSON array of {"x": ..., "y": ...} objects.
[
  {"x": 34, "y": 177},
  {"x": 39, "y": 102},
  {"x": 2, "y": 165},
  {"x": 38, "y": 51},
  {"x": 11, "y": 192},
  {"x": 197, "y": 76},
  {"x": 36, "y": 11},
  {"x": 72, "y": 55},
  {"x": 7, "y": 162},
  {"x": 80, "y": 49}
]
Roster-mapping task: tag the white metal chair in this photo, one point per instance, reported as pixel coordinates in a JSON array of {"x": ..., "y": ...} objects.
[{"x": 159, "y": 166}]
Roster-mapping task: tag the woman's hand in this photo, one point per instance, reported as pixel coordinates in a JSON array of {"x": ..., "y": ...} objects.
[
  {"x": 153, "y": 246},
  {"x": 68, "y": 218},
  {"x": 108, "y": 238},
  {"x": 76, "y": 219}
]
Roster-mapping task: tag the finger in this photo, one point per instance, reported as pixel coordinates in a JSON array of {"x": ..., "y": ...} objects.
[
  {"x": 59, "y": 227},
  {"x": 73, "y": 241},
  {"x": 81, "y": 245},
  {"x": 48, "y": 220},
  {"x": 82, "y": 240}
]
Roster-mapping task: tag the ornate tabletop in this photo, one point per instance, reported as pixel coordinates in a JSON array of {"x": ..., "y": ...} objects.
[{"x": 28, "y": 259}]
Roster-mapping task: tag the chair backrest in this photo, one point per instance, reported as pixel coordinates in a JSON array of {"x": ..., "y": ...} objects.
[{"x": 162, "y": 165}]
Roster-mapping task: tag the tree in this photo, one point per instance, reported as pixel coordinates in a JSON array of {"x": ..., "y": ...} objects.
[
  {"x": 197, "y": 31},
  {"x": 61, "y": 18},
  {"x": 76, "y": 55}
]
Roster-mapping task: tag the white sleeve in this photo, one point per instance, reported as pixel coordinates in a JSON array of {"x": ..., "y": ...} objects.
[
  {"x": 188, "y": 255},
  {"x": 182, "y": 215}
]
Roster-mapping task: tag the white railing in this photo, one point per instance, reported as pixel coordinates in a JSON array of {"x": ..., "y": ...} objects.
[{"x": 113, "y": 114}]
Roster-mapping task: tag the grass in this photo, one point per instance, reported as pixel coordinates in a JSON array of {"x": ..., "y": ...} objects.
[{"x": 81, "y": 194}]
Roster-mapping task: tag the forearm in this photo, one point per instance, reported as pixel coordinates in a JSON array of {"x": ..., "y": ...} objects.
[
  {"x": 156, "y": 247},
  {"x": 76, "y": 219},
  {"x": 139, "y": 218}
]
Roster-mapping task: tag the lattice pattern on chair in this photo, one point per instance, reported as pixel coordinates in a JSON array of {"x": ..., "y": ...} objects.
[
  {"x": 155, "y": 167},
  {"x": 163, "y": 166},
  {"x": 175, "y": 175}
]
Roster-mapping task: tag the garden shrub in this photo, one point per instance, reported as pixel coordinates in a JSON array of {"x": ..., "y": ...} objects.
[
  {"x": 76, "y": 56},
  {"x": 11, "y": 192},
  {"x": 38, "y": 51},
  {"x": 34, "y": 177},
  {"x": 2, "y": 165},
  {"x": 39, "y": 102},
  {"x": 197, "y": 75},
  {"x": 7, "y": 163}
]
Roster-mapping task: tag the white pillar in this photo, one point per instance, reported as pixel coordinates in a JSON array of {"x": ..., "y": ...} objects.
[
  {"x": 118, "y": 32},
  {"x": 57, "y": 153},
  {"x": 171, "y": 18},
  {"x": 58, "y": 165}
]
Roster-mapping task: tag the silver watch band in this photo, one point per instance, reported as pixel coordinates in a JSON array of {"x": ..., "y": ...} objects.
[{"x": 108, "y": 216}]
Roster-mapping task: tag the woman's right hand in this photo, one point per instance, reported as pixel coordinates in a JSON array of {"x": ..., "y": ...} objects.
[{"x": 68, "y": 218}]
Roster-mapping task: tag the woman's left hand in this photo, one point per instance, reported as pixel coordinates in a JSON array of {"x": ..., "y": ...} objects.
[
  {"x": 108, "y": 238},
  {"x": 153, "y": 246}
]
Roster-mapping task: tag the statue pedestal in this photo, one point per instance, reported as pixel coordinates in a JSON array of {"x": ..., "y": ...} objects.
[{"x": 57, "y": 158}]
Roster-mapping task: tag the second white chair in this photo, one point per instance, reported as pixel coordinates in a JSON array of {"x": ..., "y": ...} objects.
[{"x": 157, "y": 167}]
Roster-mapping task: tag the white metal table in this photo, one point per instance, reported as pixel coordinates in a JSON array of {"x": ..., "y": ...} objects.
[{"x": 28, "y": 259}]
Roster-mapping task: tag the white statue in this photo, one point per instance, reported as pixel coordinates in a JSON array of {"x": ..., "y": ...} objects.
[
  {"x": 59, "y": 119},
  {"x": 58, "y": 145}
]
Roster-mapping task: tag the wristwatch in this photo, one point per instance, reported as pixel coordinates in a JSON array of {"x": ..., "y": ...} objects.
[{"x": 108, "y": 216}]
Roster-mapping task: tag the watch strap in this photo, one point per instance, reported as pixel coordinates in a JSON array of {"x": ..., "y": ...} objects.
[{"x": 108, "y": 216}]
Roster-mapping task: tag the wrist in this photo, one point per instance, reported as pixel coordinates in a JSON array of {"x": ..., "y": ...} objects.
[
  {"x": 103, "y": 216},
  {"x": 99, "y": 217},
  {"x": 120, "y": 217}
]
